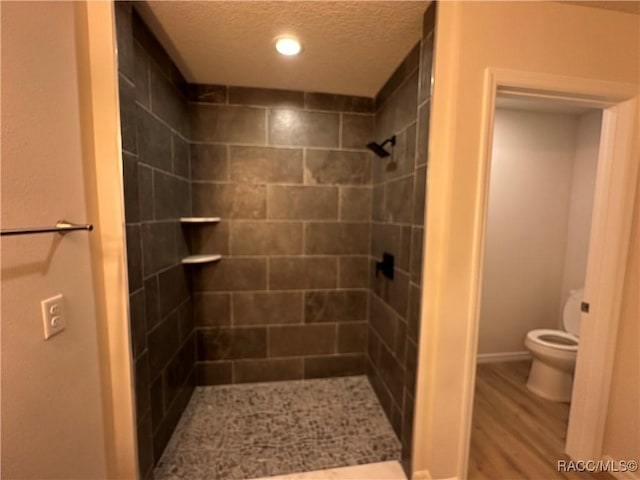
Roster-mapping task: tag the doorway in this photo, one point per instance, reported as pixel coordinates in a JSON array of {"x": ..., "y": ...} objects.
[
  {"x": 612, "y": 213},
  {"x": 541, "y": 195}
]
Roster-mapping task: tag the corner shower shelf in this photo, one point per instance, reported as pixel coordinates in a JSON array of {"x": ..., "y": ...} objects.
[
  {"x": 194, "y": 259},
  {"x": 199, "y": 219}
]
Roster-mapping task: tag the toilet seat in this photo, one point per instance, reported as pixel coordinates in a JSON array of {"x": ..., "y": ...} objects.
[{"x": 538, "y": 336}]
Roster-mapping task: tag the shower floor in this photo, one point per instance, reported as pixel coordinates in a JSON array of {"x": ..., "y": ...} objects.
[{"x": 263, "y": 429}]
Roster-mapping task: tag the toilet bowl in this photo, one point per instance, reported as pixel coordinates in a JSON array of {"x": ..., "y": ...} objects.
[{"x": 554, "y": 354}]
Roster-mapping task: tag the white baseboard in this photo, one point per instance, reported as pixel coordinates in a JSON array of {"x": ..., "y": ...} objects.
[
  {"x": 503, "y": 357},
  {"x": 621, "y": 475}
]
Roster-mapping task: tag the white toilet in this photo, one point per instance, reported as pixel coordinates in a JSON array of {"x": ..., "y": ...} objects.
[{"x": 554, "y": 354}]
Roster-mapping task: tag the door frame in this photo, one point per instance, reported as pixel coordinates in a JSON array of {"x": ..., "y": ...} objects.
[{"x": 609, "y": 243}]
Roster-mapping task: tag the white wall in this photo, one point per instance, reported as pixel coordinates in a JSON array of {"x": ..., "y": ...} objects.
[
  {"x": 52, "y": 410},
  {"x": 583, "y": 185},
  {"x": 529, "y": 197}
]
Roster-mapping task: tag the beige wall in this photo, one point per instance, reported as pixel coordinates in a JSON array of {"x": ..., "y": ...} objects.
[
  {"x": 556, "y": 39},
  {"x": 529, "y": 196},
  {"x": 622, "y": 434},
  {"x": 52, "y": 424}
]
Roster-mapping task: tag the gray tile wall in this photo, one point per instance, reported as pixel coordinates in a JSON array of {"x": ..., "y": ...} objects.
[
  {"x": 155, "y": 143},
  {"x": 289, "y": 174},
  {"x": 397, "y": 227}
]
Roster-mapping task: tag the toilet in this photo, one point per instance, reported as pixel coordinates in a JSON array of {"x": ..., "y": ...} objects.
[{"x": 554, "y": 354}]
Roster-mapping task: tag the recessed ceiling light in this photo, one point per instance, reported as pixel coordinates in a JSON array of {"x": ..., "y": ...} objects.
[{"x": 288, "y": 46}]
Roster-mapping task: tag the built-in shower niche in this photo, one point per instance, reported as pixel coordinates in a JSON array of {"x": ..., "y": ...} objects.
[{"x": 195, "y": 222}]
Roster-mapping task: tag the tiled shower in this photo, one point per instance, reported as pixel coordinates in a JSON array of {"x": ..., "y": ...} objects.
[{"x": 305, "y": 212}]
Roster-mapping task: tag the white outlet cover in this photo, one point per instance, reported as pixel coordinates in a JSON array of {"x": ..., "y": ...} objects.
[{"x": 53, "y": 317}]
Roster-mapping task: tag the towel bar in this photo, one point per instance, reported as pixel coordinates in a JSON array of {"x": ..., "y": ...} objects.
[{"x": 62, "y": 226}]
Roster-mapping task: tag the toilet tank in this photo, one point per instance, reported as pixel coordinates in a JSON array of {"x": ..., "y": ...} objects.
[{"x": 572, "y": 312}]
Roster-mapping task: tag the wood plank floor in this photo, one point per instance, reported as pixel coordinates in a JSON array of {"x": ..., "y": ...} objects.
[{"x": 517, "y": 435}]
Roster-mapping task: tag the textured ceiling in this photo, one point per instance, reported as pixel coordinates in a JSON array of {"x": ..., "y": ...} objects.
[{"x": 349, "y": 47}]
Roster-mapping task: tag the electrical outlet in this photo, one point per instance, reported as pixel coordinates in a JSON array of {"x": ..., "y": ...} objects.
[{"x": 53, "y": 316}]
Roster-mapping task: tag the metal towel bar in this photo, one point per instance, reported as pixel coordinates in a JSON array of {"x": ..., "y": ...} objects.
[{"x": 62, "y": 226}]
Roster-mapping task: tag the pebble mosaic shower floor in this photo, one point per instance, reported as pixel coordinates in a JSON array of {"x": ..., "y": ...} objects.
[{"x": 263, "y": 429}]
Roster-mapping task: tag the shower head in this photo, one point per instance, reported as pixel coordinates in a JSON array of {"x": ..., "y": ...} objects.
[{"x": 378, "y": 149}]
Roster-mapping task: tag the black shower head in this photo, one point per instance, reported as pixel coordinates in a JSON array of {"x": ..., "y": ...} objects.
[{"x": 378, "y": 149}]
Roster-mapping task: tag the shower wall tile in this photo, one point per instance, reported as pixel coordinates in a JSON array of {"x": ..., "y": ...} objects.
[
  {"x": 303, "y": 128},
  {"x": 269, "y": 370},
  {"x": 181, "y": 154},
  {"x": 128, "y": 115},
  {"x": 265, "y": 165},
  {"x": 267, "y": 308},
  {"x": 170, "y": 196},
  {"x": 355, "y": 203},
  {"x": 399, "y": 200},
  {"x": 303, "y": 273},
  {"x": 403, "y": 258},
  {"x": 413, "y": 314},
  {"x": 145, "y": 192},
  {"x": 154, "y": 141},
  {"x": 334, "y": 366},
  {"x": 187, "y": 320},
  {"x": 209, "y": 237},
  {"x": 156, "y": 151},
  {"x": 423, "y": 133},
  {"x": 168, "y": 103},
  {"x": 302, "y": 340},
  {"x": 296, "y": 203},
  {"x": 173, "y": 289},
  {"x": 420, "y": 195},
  {"x": 335, "y": 306},
  {"x": 141, "y": 75},
  {"x": 131, "y": 191},
  {"x": 337, "y": 167},
  {"x": 341, "y": 103},
  {"x": 212, "y": 309},
  {"x": 336, "y": 238},
  {"x": 207, "y": 93},
  {"x": 163, "y": 344},
  {"x": 416, "y": 254},
  {"x": 145, "y": 446},
  {"x": 138, "y": 321},
  {"x": 265, "y": 97},
  {"x": 124, "y": 39},
  {"x": 214, "y": 373},
  {"x": 398, "y": 206},
  {"x": 409, "y": 64},
  {"x": 357, "y": 131},
  {"x": 237, "y": 201},
  {"x": 232, "y": 343},
  {"x": 152, "y": 302},
  {"x": 134, "y": 256},
  {"x": 302, "y": 203},
  {"x": 266, "y": 238},
  {"x": 232, "y": 124},
  {"x": 231, "y": 274},
  {"x": 159, "y": 246},
  {"x": 383, "y": 321},
  {"x": 209, "y": 162},
  {"x": 385, "y": 237},
  {"x": 352, "y": 337},
  {"x": 353, "y": 272}
]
